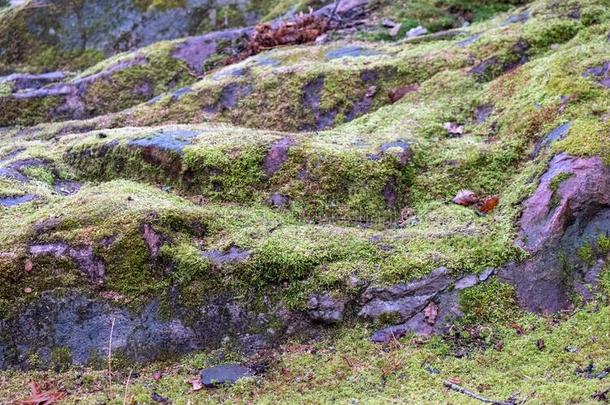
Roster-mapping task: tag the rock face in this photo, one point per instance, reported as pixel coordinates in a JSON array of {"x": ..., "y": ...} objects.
[
  {"x": 82, "y": 325},
  {"x": 569, "y": 209},
  {"x": 111, "y": 27}
]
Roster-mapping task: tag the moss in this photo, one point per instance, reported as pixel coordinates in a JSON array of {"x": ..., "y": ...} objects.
[
  {"x": 587, "y": 254},
  {"x": 493, "y": 302},
  {"x": 160, "y": 5},
  {"x": 587, "y": 137},
  {"x": 61, "y": 358},
  {"x": 603, "y": 244}
]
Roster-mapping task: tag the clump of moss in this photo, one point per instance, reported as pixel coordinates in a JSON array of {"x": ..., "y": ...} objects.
[
  {"x": 61, "y": 358},
  {"x": 494, "y": 302}
]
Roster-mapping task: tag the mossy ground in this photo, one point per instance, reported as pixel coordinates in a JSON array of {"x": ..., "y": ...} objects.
[
  {"x": 213, "y": 195},
  {"x": 345, "y": 367}
]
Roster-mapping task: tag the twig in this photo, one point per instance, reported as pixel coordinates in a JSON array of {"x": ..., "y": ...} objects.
[
  {"x": 127, "y": 387},
  {"x": 110, "y": 356},
  {"x": 332, "y": 14},
  {"x": 462, "y": 390}
]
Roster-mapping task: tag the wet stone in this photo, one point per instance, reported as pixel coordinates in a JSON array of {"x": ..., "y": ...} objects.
[
  {"x": 350, "y": 52},
  {"x": 555, "y": 135},
  {"x": 232, "y": 255},
  {"x": 15, "y": 201},
  {"x": 174, "y": 140},
  {"x": 469, "y": 41},
  {"x": 226, "y": 374},
  {"x": 515, "y": 19},
  {"x": 66, "y": 187}
]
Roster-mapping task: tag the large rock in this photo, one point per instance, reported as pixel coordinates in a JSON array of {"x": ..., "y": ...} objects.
[{"x": 569, "y": 209}]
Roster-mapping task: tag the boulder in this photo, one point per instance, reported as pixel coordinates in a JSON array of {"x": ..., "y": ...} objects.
[{"x": 557, "y": 220}]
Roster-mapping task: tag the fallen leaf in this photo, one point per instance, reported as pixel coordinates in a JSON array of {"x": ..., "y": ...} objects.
[
  {"x": 27, "y": 290},
  {"x": 540, "y": 344},
  {"x": 40, "y": 397},
  {"x": 499, "y": 346},
  {"x": 518, "y": 328},
  {"x": 465, "y": 198},
  {"x": 157, "y": 376},
  {"x": 196, "y": 384},
  {"x": 453, "y": 128},
  {"x": 454, "y": 380},
  {"x": 27, "y": 265},
  {"x": 431, "y": 313},
  {"x": 399, "y": 92},
  {"x": 489, "y": 203}
]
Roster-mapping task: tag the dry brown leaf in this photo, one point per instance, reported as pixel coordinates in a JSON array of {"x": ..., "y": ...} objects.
[
  {"x": 396, "y": 94},
  {"x": 40, "y": 397},
  {"x": 489, "y": 203}
]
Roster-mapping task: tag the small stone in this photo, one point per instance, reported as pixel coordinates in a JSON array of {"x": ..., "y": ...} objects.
[
  {"x": 226, "y": 374},
  {"x": 27, "y": 290},
  {"x": 416, "y": 32},
  {"x": 488, "y": 272},
  {"x": 27, "y": 265},
  {"x": 466, "y": 282}
]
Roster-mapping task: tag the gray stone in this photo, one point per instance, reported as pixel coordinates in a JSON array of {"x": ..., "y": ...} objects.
[
  {"x": 15, "y": 201},
  {"x": 324, "y": 308},
  {"x": 488, "y": 272},
  {"x": 224, "y": 375},
  {"x": 232, "y": 255},
  {"x": 277, "y": 155},
  {"x": 555, "y": 135},
  {"x": 416, "y": 325},
  {"x": 466, "y": 282}
]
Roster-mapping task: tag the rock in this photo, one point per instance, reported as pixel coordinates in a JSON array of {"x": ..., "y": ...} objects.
[
  {"x": 416, "y": 325},
  {"x": 469, "y": 41},
  {"x": 324, "y": 308},
  {"x": 350, "y": 51},
  {"x": 9, "y": 202},
  {"x": 601, "y": 73},
  {"x": 227, "y": 374},
  {"x": 66, "y": 187},
  {"x": 465, "y": 198},
  {"x": 174, "y": 140},
  {"x": 403, "y": 300},
  {"x": 466, "y": 282},
  {"x": 488, "y": 272},
  {"x": 417, "y": 31},
  {"x": 400, "y": 148},
  {"x": 196, "y": 51},
  {"x": 153, "y": 239},
  {"x": 232, "y": 255},
  {"x": 517, "y": 18},
  {"x": 555, "y": 135},
  {"x": 278, "y": 200},
  {"x": 482, "y": 112},
  {"x": 555, "y": 224},
  {"x": 22, "y": 81},
  {"x": 81, "y": 255},
  {"x": 277, "y": 155}
]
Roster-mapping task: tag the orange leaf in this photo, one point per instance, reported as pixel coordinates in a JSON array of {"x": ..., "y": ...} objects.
[{"x": 489, "y": 203}]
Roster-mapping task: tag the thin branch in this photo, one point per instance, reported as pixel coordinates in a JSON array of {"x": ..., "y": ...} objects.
[
  {"x": 462, "y": 390},
  {"x": 127, "y": 387},
  {"x": 332, "y": 14},
  {"x": 110, "y": 355}
]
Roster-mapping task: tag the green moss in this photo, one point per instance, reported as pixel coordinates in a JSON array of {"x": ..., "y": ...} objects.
[
  {"x": 587, "y": 254},
  {"x": 603, "y": 244},
  {"x": 61, "y": 358},
  {"x": 493, "y": 302},
  {"x": 587, "y": 137}
]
